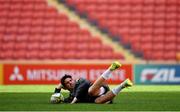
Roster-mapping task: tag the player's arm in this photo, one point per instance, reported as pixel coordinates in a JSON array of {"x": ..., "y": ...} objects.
[
  {"x": 58, "y": 88},
  {"x": 57, "y": 95}
]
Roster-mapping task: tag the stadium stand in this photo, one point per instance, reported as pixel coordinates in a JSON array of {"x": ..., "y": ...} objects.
[
  {"x": 30, "y": 29},
  {"x": 149, "y": 27}
]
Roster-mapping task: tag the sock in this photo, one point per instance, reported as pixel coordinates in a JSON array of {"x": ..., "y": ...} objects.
[
  {"x": 106, "y": 74},
  {"x": 117, "y": 89}
]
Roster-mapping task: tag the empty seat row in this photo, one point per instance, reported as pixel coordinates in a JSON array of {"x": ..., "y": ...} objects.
[
  {"x": 146, "y": 2},
  {"x": 54, "y": 46},
  {"x": 8, "y": 54}
]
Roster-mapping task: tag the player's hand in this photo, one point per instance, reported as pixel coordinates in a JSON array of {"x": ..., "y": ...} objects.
[
  {"x": 74, "y": 100},
  {"x": 60, "y": 86}
]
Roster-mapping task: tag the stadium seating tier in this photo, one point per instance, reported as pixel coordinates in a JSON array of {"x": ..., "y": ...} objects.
[
  {"x": 149, "y": 26},
  {"x": 30, "y": 29}
]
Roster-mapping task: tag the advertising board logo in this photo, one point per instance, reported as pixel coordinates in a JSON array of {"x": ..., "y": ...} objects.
[
  {"x": 16, "y": 75},
  {"x": 158, "y": 75}
]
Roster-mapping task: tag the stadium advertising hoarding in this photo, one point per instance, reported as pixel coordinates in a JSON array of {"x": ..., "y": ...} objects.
[
  {"x": 50, "y": 74},
  {"x": 157, "y": 74}
]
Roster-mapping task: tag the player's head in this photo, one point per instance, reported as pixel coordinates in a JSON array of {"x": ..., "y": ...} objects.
[{"x": 68, "y": 82}]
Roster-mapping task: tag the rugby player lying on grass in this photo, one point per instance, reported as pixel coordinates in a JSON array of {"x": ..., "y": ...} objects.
[{"x": 82, "y": 90}]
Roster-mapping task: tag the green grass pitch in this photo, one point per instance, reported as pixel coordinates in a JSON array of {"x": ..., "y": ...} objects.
[{"x": 137, "y": 98}]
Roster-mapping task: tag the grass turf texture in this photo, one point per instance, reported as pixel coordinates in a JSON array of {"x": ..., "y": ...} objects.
[{"x": 138, "y": 98}]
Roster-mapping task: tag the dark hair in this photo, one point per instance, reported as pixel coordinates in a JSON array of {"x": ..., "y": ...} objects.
[{"x": 64, "y": 78}]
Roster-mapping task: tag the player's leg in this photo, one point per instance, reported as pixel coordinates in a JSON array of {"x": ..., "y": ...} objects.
[
  {"x": 114, "y": 92},
  {"x": 95, "y": 90}
]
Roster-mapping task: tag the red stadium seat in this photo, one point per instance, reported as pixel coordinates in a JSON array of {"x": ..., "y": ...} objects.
[
  {"x": 170, "y": 31},
  {"x": 171, "y": 55},
  {"x": 14, "y": 14},
  {"x": 46, "y": 38},
  {"x": 38, "y": 22},
  {"x": 40, "y": 7},
  {"x": 149, "y": 2},
  {"x": 137, "y": 2},
  {"x": 86, "y": 39},
  {"x": 82, "y": 54},
  {"x": 69, "y": 54},
  {"x": 146, "y": 39},
  {"x": 107, "y": 48},
  {"x": 28, "y": 7},
  {"x": 136, "y": 38},
  {"x": 108, "y": 55},
  {"x": 25, "y": 22},
  {"x": 146, "y": 47},
  {"x": 20, "y": 54},
  {"x": 2, "y": 30},
  {"x": 158, "y": 55},
  {"x": 8, "y": 46},
  {"x": 28, "y": 14},
  {"x": 20, "y": 46},
  {"x": 158, "y": 47},
  {"x": 170, "y": 46},
  {"x": 33, "y": 54},
  {"x": 34, "y": 38},
  {"x": 12, "y": 30},
  {"x": 8, "y": 38},
  {"x": 58, "y": 46},
  {"x": 71, "y": 46},
  {"x": 160, "y": 2},
  {"x": 36, "y": 30},
  {"x": 48, "y": 30},
  {"x": 171, "y": 38},
  {"x": 33, "y": 46},
  {"x": 14, "y": 21},
  {"x": 7, "y": 54},
  {"x": 158, "y": 39},
  {"x": 94, "y": 55},
  {"x": 38, "y": 14},
  {"x": 118, "y": 56},
  {"x": 57, "y": 54},
  {"x": 45, "y": 46},
  {"x": 22, "y": 38},
  {"x": 5, "y": 6},
  {"x": 137, "y": 15},
  {"x": 23, "y": 30},
  {"x": 83, "y": 47},
  {"x": 45, "y": 54},
  {"x": 94, "y": 46},
  {"x": 60, "y": 38}
]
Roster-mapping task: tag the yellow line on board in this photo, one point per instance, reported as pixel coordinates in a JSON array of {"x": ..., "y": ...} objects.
[{"x": 1, "y": 74}]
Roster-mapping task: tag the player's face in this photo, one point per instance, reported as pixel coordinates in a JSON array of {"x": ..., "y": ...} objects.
[{"x": 69, "y": 83}]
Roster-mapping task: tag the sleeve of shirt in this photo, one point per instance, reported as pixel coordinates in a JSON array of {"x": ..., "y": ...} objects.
[{"x": 82, "y": 89}]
